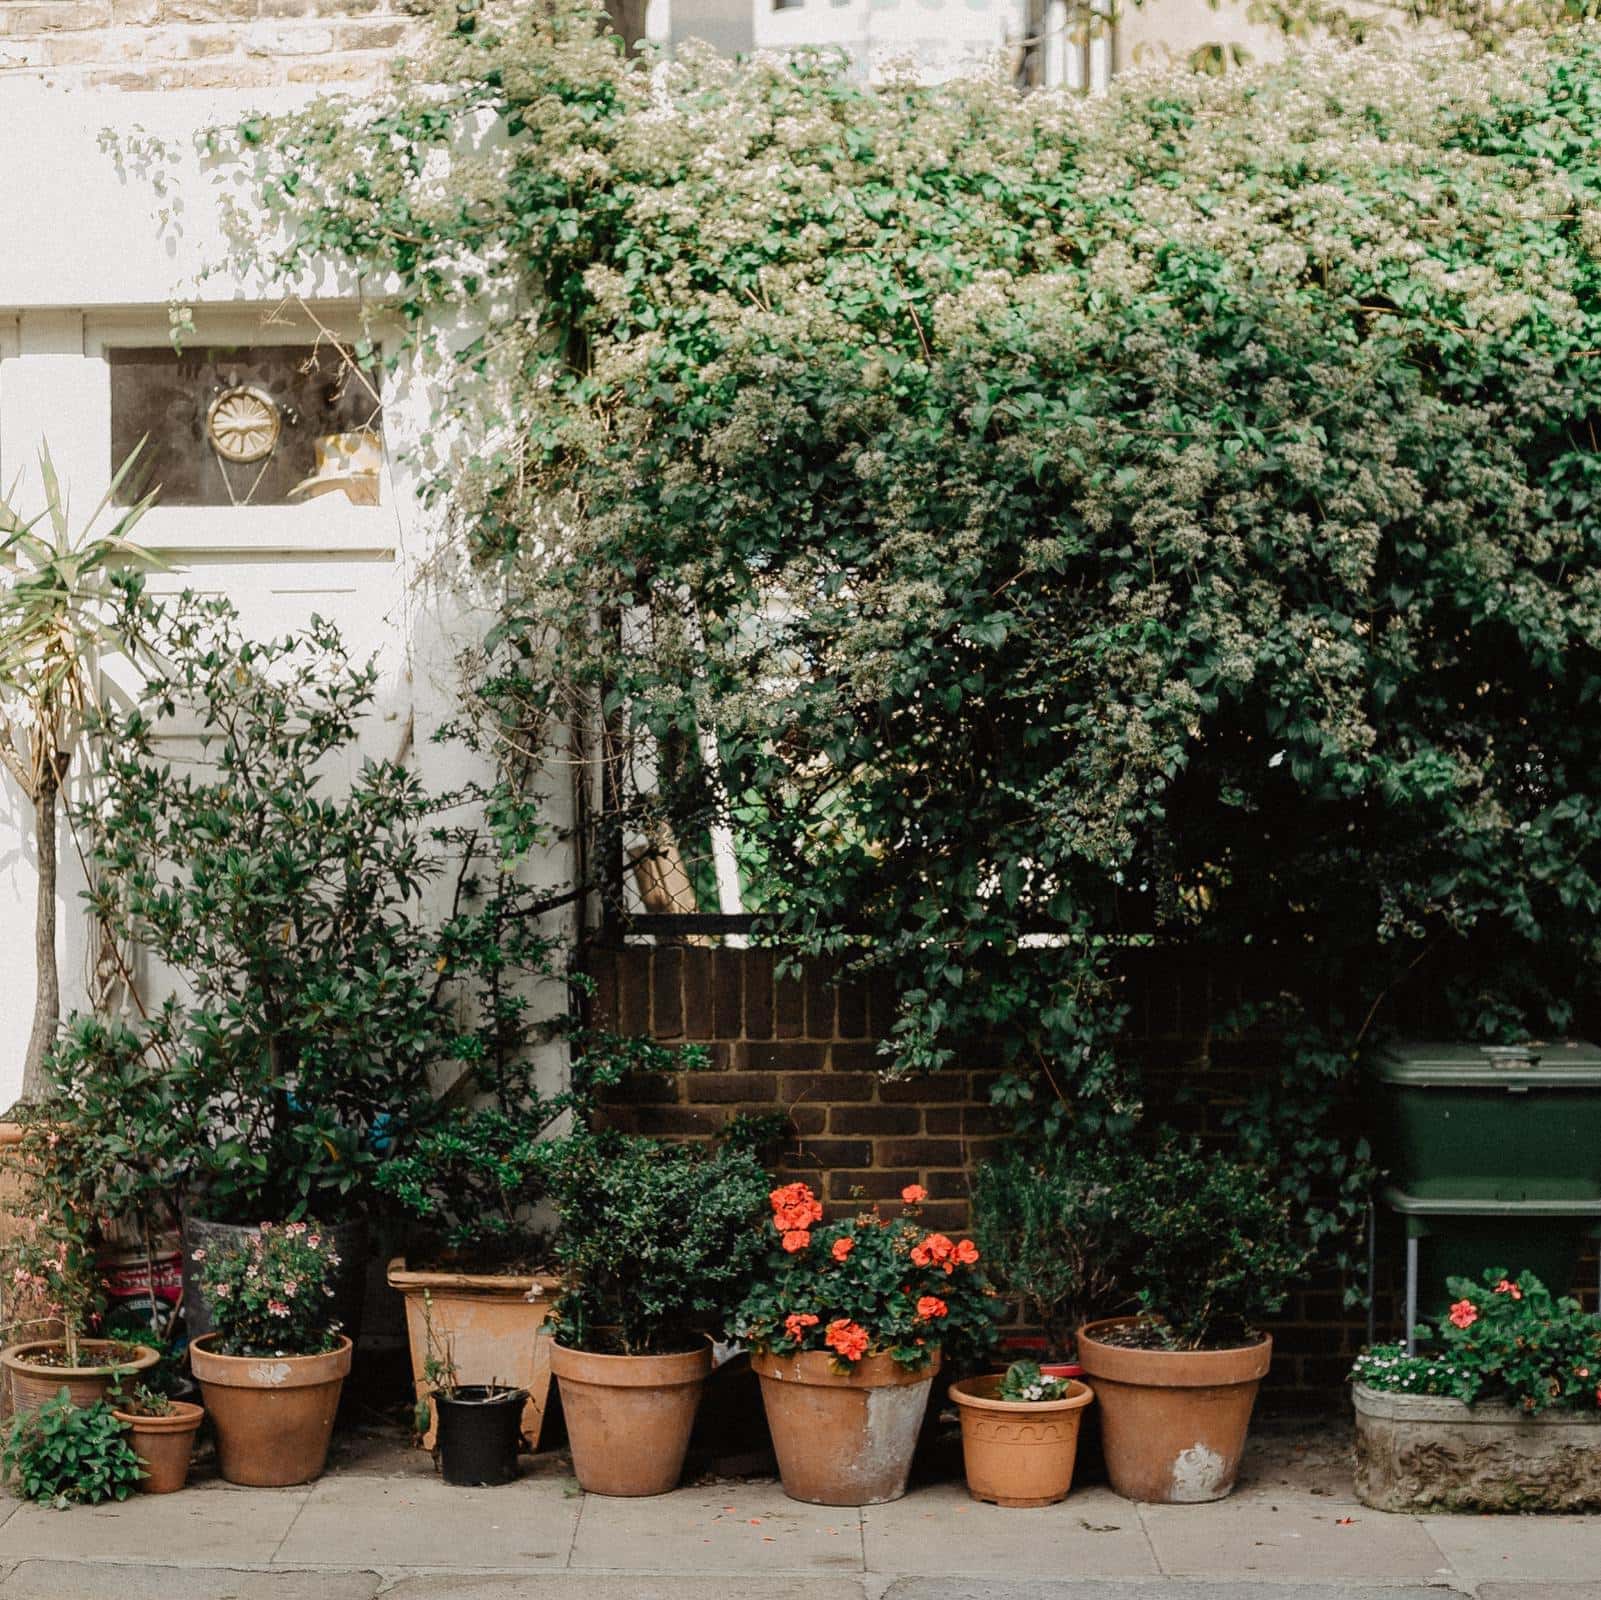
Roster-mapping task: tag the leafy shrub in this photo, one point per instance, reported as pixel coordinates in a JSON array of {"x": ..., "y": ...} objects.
[
  {"x": 657, "y": 1241},
  {"x": 1024, "y": 1382},
  {"x": 269, "y": 1293},
  {"x": 1045, "y": 1219},
  {"x": 64, "y": 1455},
  {"x": 1207, "y": 1247},
  {"x": 1388, "y": 1368},
  {"x": 865, "y": 1284}
]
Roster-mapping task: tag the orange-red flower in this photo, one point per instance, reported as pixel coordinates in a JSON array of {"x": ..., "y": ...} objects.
[
  {"x": 931, "y": 1306},
  {"x": 1507, "y": 1286},
  {"x": 914, "y": 1194},
  {"x": 966, "y": 1253},
  {"x": 935, "y": 1250},
  {"x": 796, "y": 1239},
  {"x": 797, "y": 1322},
  {"x": 847, "y": 1339},
  {"x": 795, "y": 1208},
  {"x": 1464, "y": 1314},
  {"x": 843, "y": 1247}
]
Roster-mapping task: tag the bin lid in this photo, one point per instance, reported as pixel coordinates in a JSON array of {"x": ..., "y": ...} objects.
[{"x": 1551, "y": 1063}]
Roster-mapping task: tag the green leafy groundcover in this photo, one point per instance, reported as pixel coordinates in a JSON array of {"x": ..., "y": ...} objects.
[{"x": 1170, "y": 514}]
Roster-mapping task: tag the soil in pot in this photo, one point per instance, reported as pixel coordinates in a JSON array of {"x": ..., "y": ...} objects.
[
  {"x": 629, "y": 1417},
  {"x": 273, "y": 1415},
  {"x": 480, "y": 1429},
  {"x": 843, "y": 1439},
  {"x": 349, "y": 1279},
  {"x": 164, "y": 1444},
  {"x": 38, "y": 1370},
  {"x": 1018, "y": 1453},
  {"x": 1173, "y": 1422}
]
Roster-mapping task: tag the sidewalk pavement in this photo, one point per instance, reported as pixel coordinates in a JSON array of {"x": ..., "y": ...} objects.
[{"x": 381, "y": 1524}]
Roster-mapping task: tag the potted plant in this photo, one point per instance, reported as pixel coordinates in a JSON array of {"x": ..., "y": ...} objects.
[
  {"x": 300, "y": 1051},
  {"x": 656, "y": 1246},
  {"x": 161, "y": 1431},
  {"x": 479, "y": 1425},
  {"x": 271, "y": 1371},
  {"x": 1043, "y": 1220},
  {"x": 1020, "y": 1434},
  {"x": 1503, "y": 1414},
  {"x": 848, "y": 1325},
  {"x": 55, "y": 1264},
  {"x": 62, "y": 1454},
  {"x": 1212, "y": 1251}
]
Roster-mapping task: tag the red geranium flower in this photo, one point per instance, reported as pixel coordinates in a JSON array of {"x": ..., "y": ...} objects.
[
  {"x": 1507, "y": 1286},
  {"x": 934, "y": 1250},
  {"x": 848, "y": 1339},
  {"x": 796, "y": 1239},
  {"x": 966, "y": 1253},
  {"x": 914, "y": 1194},
  {"x": 931, "y": 1306},
  {"x": 797, "y": 1322},
  {"x": 795, "y": 1208},
  {"x": 1464, "y": 1314},
  {"x": 843, "y": 1247}
]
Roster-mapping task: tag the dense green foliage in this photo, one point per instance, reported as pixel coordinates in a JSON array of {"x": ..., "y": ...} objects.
[
  {"x": 1024, "y": 1383},
  {"x": 64, "y": 1455},
  {"x": 657, "y": 1241},
  {"x": 1046, "y": 1222},
  {"x": 864, "y": 1285},
  {"x": 270, "y": 1292},
  {"x": 1172, "y": 514}
]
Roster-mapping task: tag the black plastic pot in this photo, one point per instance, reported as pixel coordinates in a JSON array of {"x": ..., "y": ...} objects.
[{"x": 480, "y": 1428}]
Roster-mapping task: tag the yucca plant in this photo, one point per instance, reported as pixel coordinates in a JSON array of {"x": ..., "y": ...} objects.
[{"x": 67, "y": 601}]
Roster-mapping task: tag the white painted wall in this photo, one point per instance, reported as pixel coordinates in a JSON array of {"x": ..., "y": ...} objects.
[{"x": 93, "y": 258}]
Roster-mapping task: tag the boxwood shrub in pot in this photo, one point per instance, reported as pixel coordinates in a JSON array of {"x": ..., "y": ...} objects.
[
  {"x": 1500, "y": 1411},
  {"x": 849, "y": 1322},
  {"x": 1210, "y": 1250},
  {"x": 657, "y": 1243}
]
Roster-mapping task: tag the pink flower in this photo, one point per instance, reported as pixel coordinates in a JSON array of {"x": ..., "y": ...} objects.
[
  {"x": 222, "y": 1290},
  {"x": 315, "y": 1241},
  {"x": 291, "y": 1288},
  {"x": 277, "y": 1308},
  {"x": 1464, "y": 1314},
  {"x": 293, "y": 1229}
]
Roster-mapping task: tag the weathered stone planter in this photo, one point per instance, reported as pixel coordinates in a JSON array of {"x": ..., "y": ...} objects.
[{"x": 1430, "y": 1453}]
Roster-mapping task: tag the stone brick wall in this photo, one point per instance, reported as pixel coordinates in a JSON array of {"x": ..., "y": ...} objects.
[
  {"x": 199, "y": 44},
  {"x": 805, "y": 1047}
]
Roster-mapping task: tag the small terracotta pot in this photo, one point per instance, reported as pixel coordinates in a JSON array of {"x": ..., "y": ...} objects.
[
  {"x": 34, "y": 1382},
  {"x": 843, "y": 1439},
  {"x": 629, "y": 1417},
  {"x": 490, "y": 1323},
  {"x": 1173, "y": 1422},
  {"x": 274, "y": 1415},
  {"x": 1018, "y": 1453},
  {"x": 163, "y": 1445}
]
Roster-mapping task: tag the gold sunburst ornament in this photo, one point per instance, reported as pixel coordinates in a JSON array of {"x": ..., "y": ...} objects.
[{"x": 243, "y": 424}]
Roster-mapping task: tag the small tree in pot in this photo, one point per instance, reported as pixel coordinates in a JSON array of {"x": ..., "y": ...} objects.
[
  {"x": 846, "y": 1309},
  {"x": 657, "y": 1244},
  {"x": 1211, "y": 1250}
]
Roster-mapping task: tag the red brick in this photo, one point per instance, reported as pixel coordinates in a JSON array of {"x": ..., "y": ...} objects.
[
  {"x": 633, "y": 990},
  {"x": 852, "y": 1011},
  {"x": 728, "y": 993},
  {"x": 921, "y": 1153},
  {"x": 875, "y": 1119},
  {"x": 667, "y": 993},
  {"x": 832, "y": 1153},
  {"x": 698, "y": 995},
  {"x": 790, "y": 1055},
  {"x": 822, "y": 1087},
  {"x": 940, "y": 1087},
  {"x": 758, "y": 995},
  {"x": 678, "y": 1119},
  {"x": 725, "y": 1088},
  {"x": 789, "y": 1007},
  {"x": 822, "y": 999}
]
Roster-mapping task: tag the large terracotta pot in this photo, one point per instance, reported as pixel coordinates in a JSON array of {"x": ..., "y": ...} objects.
[
  {"x": 274, "y": 1415},
  {"x": 32, "y": 1382},
  {"x": 348, "y": 1280},
  {"x": 1018, "y": 1452},
  {"x": 492, "y": 1325},
  {"x": 843, "y": 1439},
  {"x": 1173, "y": 1422},
  {"x": 163, "y": 1445},
  {"x": 629, "y": 1417}
]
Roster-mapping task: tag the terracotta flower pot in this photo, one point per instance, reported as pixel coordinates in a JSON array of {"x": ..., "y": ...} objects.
[
  {"x": 1173, "y": 1422},
  {"x": 163, "y": 1445},
  {"x": 1018, "y": 1452},
  {"x": 33, "y": 1382},
  {"x": 274, "y": 1415},
  {"x": 843, "y": 1439},
  {"x": 491, "y": 1324},
  {"x": 629, "y": 1417}
]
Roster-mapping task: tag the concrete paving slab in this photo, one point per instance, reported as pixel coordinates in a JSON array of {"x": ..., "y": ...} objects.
[
  {"x": 1527, "y": 1591},
  {"x": 425, "y": 1522},
  {"x": 1141, "y": 1589},
  {"x": 1520, "y": 1549},
  {"x": 82, "y": 1580},
  {"x": 943, "y": 1530},
  {"x": 744, "y": 1527},
  {"x": 625, "y": 1586},
  {"x": 1290, "y": 1536},
  {"x": 217, "y": 1524}
]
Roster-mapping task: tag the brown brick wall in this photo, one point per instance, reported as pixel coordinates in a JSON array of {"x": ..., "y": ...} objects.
[{"x": 200, "y": 44}]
